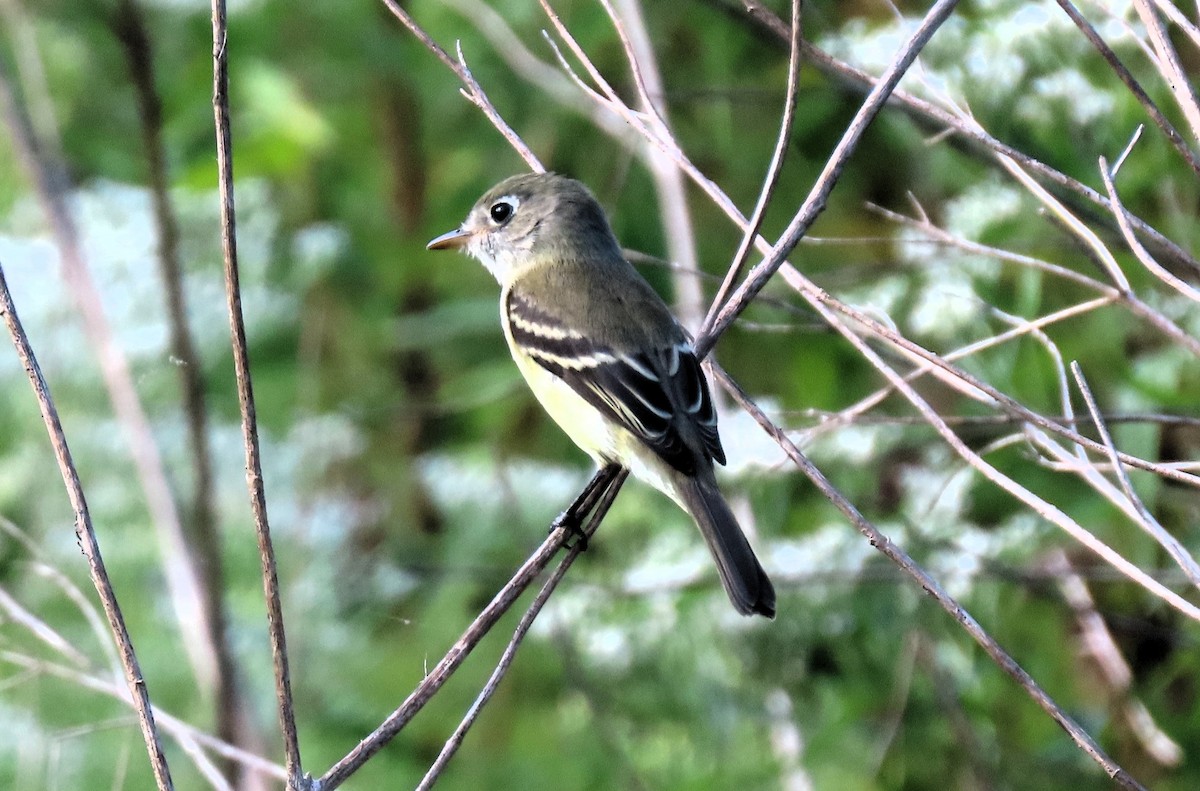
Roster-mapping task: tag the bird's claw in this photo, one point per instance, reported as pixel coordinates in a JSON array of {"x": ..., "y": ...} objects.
[{"x": 573, "y": 536}]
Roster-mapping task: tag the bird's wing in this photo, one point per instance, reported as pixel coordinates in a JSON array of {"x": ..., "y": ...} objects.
[{"x": 658, "y": 394}]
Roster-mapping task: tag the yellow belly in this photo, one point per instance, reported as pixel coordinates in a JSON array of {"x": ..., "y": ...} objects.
[{"x": 603, "y": 439}]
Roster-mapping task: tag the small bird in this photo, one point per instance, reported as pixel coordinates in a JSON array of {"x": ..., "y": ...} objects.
[{"x": 605, "y": 357}]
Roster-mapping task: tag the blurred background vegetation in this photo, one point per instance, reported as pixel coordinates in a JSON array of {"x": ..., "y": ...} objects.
[{"x": 408, "y": 471}]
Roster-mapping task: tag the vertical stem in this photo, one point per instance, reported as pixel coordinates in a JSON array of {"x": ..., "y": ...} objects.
[{"x": 241, "y": 361}]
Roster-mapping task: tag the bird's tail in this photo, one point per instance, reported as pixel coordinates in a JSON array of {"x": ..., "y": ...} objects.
[{"x": 743, "y": 577}]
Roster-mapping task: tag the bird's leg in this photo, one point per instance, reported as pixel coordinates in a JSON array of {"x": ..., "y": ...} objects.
[{"x": 571, "y": 520}]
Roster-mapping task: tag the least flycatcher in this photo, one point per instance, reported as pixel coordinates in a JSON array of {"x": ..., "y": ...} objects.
[{"x": 605, "y": 357}]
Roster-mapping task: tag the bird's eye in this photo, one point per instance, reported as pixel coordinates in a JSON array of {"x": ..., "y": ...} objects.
[{"x": 501, "y": 212}]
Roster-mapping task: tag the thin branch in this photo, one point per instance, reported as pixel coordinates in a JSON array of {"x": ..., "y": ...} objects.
[
  {"x": 241, "y": 361},
  {"x": 820, "y": 299},
  {"x": 769, "y": 183},
  {"x": 1123, "y": 73},
  {"x": 814, "y": 204},
  {"x": 473, "y": 91},
  {"x": 976, "y": 140},
  {"x": 462, "y": 648},
  {"x": 489, "y": 689},
  {"x": 1130, "y": 300},
  {"x": 997, "y": 420},
  {"x": 827, "y": 307},
  {"x": 1146, "y": 521},
  {"x": 929, "y": 585},
  {"x": 86, "y": 535},
  {"x": 1081, "y": 231},
  {"x": 854, "y": 411},
  {"x": 1144, "y": 257},
  {"x": 1181, "y": 21},
  {"x": 674, "y": 216},
  {"x": 1169, "y": 65}
]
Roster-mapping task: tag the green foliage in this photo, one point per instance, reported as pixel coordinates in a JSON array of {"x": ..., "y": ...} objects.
[{"x": 409, "y": 472}]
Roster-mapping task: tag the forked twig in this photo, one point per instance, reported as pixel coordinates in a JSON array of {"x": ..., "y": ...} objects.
[
  {"x": 462, "y": 648},
  {"x": 1123, "y": 73},
  {"x": 770, "y": 182},
  {"x": 977, "y": 141},
  {"x": 814, "y": 204},
  {"x": 456, "y": 739}
]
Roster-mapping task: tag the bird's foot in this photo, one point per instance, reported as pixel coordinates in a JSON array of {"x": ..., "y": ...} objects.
[{"x": 574, "y": 536}]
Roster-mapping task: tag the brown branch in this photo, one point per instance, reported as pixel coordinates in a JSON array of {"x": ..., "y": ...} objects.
[
  {"x": 241, "y": 361},
  {"x": 973, "y": 138},
  {"x": 1130, "y": 300},
  {"x": 1123, "y": 73},
  {"x": 1169, "y": 66},
  {"x": 472, "y": 90},
  {"x": 1146, "y": 520},
  {"x": 456, "y": 739},
  {"x": 674, "y": 216},
  {"x": 901, "y": 558},
  {"x": 86, "y": 534},
  {"x": 769, "y": 183},
  {"x": 462, "y": 648},
  {"x": 814, "y": 204}
]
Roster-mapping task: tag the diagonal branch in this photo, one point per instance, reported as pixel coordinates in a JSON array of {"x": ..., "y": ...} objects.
[
  {"x": 814, "y": 204},
  {"x": 773, "y": 170},
  {"x": 929, "y": 585},
  {"x": 86, "y": 534},
  {"x": 465, "y": 644}
]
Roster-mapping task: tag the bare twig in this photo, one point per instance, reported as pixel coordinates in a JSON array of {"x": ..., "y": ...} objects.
[
  {"x": 1170, "y": 66},
  {"x": 1146, "y": 521},
  {"x": 1132, "y": 84},
  {"x": 1147, "y": 260},
  {"x": 770, "y": 182},
  {"x": 929, "y": 585},
  {"x": 856, "y": 410},
  {"x": 977, "y": 140},
  {"x": 433, "y": 681},
  {"x": 456, "y": 739},
  {"x": 87, "y": 538},
  {"x": 1131, "y": 301},
  {"x": 674, "y": 216},
  {"x": 1181, "y": 21},
  {"x": 241, "y": 361},
  {"x": 820, "y": 299},
  {"x": 814, "y": 204},
  {"x": 1038, "y": 505},
  {"x": 472, "y": 91},
  {"x": 1068, "y": 219}
]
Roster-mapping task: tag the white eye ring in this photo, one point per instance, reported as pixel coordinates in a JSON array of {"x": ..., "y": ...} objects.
[{"x": 503, "y": 209}]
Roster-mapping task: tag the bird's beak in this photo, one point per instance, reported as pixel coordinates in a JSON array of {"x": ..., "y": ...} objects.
[{"x": 454, "y": 240}]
